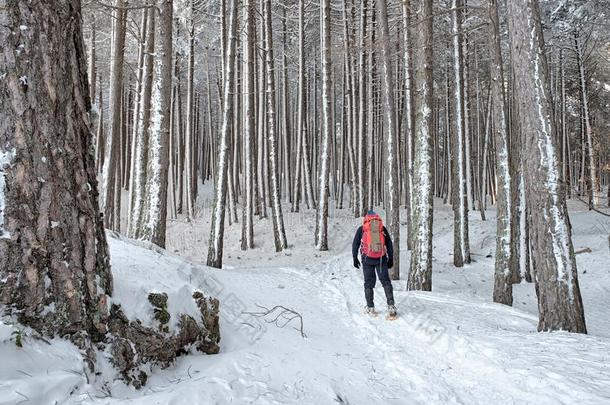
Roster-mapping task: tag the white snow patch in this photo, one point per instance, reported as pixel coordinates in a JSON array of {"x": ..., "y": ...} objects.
[{"x": 5, "y": 160}]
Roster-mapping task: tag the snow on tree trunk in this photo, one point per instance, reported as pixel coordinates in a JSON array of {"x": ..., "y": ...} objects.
[
  {"x": 220, "y": 189},
  {"x": 188, "y": 125},
  {"x": 139, "y": 175},
  {"x": 461, "y": 245},
  {"x": 390, "y": 129},
  {"x": 249, "y": 128},
  {"x": 113, "y": 139},
  {"x": 276, "y": 199},
  {"x": 363, "y": 103},
  {"x": 327, "y": 131},
  {"x": 136, "y": 112},
  {"x": 503, "y": 289},
  {"x": 409, "y": 119},
  {"x": 300, "y": 124},
  {"x": 54, "y": 266},
  {"x": 350, "y": 106},
  {"x": 559, "y": 301},
  {"x": 153, "y": 229},
  {"x": 420, "y": 271}
]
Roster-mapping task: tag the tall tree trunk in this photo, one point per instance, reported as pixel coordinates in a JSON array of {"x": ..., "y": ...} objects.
[
  {"x": 137, "y": 112},
  {"x": 286, "y": 132},
  {"x": 350, "y": 105},
  {"x": 327, "y": 131},
  {"x": 274, "y": 169},
  {"x": 139, "y": 175},
  {"x": 158, "y": 154},
  {"x": 300, "y": 160},
  {"x": 391, "y": 145},
  {"x": 503, "y": 289},
  {"x": 116, "y": 93},
  {"x": 363, "y": 103},
  {"x": 247, "y": 241},
  {"x": 54, "y": 262},
  {"x": 220, "y": 190},
  {"x": 189, "y": 135},
  {"x": 588, "y": 130},
  {"x": 409, "y": 116},
  {"x": 92, "y": 64},
  {"x": 420, "y": 271},
  {"x": 559, "y": 301},
  {"x": 461, "y": 245}
]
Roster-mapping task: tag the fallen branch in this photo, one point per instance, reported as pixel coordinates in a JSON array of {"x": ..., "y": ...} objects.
[{"x": 281, "y": 317}]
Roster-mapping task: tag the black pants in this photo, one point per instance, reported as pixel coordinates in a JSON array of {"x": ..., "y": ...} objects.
[
  {"x": 369, "y": 274},
  {"x": 370, "y": 278}
]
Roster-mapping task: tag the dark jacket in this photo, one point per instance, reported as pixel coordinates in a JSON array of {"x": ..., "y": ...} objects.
[{"x": 366, "y": 260}]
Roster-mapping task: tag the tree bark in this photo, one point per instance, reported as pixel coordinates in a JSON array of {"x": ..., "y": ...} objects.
[
  {"x": 215, "y": 249},
  {"x": 409, "y": 116},
  {"x": 420, "y": 271},
  {"x": 272, "y": 148},
  {"x": 158, "y": 154},
  {"x": 139, "y": 176},
  {"x": 559, "y": 301},
  {"x": 327, "y": 131},
  {"x": 391, "y": 146},
  {"x": 249, "y": 128},
  {"x": 54, "y": 262},
  {"x": 503, "y": 289},
  {"x": 113, "y": 139},
  {"x": 461, "y": 245}
]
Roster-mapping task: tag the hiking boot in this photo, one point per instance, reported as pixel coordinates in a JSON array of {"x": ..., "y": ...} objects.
[
  {"x": 391, "y": 310},
  {"x": 371, "y": 311}
]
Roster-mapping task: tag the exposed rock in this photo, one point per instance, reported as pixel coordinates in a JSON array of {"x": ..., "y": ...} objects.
[
  {"x": 158, "y": 300},
  {"x": 209, "y": 308},
  {"x": 133, "y": 345}
]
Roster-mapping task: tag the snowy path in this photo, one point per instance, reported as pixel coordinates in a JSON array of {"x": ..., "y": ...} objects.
[{"x": 451, "y": 346}]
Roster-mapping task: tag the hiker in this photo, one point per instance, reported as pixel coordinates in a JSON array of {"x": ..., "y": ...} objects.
[{"x": 375, "y": 245}]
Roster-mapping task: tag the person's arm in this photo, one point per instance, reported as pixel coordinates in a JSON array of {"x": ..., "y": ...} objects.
[
  {"x": 357, "y": 241},
  {"x": 388, "y": 244}
]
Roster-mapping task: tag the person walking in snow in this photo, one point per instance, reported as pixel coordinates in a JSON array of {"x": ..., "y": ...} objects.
[{"x": 373, "y": 242}]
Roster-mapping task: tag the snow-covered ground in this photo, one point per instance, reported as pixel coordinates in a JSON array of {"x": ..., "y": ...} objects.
[{"x": 449, "y": 346}]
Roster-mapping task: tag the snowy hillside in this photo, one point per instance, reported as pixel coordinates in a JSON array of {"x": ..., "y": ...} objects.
[{"x": 449, "y": 346}]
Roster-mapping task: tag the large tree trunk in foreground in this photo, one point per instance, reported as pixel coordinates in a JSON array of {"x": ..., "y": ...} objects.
[
  {"x": 54, "y": 262},
  {"x": 559, "y": 301},
  {"x": 420, "y": 271}
]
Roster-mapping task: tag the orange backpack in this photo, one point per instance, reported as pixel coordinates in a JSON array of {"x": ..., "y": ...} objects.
[{"x": 373, "y": 240}]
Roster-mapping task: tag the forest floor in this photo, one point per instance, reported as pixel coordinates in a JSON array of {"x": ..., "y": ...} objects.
[{"x": 452, "y": 345}]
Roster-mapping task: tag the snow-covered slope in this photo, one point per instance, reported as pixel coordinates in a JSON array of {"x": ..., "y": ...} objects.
[{"x": 449, "y": 346}]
